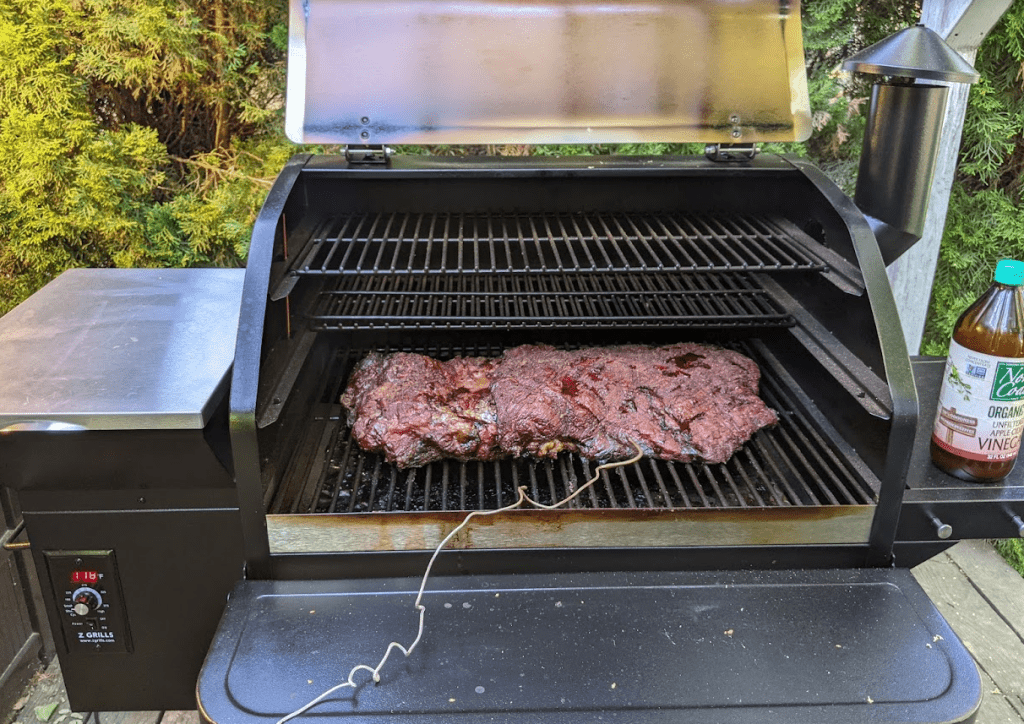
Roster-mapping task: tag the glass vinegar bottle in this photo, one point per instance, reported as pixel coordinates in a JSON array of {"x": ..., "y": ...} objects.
[{"x": 980, "y": 413}]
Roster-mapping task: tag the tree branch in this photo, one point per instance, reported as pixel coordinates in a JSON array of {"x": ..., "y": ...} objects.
[{"x": 268, "y": 182}]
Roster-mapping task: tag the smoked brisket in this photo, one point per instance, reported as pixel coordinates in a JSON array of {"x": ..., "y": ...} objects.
[
  {"x": 414, "y": 409},
  {"x": 681, "y": 402}
]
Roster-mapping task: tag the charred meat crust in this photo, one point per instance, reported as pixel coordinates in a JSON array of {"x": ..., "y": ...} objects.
[{"x": 680, "y": 402}]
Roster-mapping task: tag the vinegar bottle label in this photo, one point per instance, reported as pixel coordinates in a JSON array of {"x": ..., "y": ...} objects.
[{"x": 981, "y": 405}]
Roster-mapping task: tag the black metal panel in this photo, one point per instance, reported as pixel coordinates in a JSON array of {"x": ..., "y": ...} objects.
[
  {"x": 126, "y": 459},
  {"x": 895, "y": 363},
  {"x": 470, "y": 562},
  {"x": 787, "y": 646},
  {"x": 111, "y": 459},
  {"x": 176, "y": 569},
  {"x": 23, "y": 650},
  {"x": 128, "y": 499},
  {"x": 253, "y": 329}
]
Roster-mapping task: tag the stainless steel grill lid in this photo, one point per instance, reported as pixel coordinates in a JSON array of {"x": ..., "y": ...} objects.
[{"x": 546, "y": 71}]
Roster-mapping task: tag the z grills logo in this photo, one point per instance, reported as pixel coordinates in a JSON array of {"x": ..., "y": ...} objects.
[{"x": 95, "y": 636}]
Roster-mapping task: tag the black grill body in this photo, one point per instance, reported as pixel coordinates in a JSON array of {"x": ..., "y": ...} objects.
[
  {"x": 811, "y": 525},
  {"x": 466, "y": 257}
]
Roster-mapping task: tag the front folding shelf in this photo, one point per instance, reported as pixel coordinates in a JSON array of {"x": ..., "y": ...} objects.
[{"x": 784, "y": 646}]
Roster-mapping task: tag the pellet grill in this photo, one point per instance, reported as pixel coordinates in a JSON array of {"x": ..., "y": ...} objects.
[{"x": 774, "y": 587}]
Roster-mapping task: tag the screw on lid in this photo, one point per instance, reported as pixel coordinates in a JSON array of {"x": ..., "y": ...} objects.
[{"x": 1010, "y": 271}]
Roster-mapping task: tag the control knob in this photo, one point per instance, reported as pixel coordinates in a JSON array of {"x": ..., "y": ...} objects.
[{"x": 86, "y": 600}]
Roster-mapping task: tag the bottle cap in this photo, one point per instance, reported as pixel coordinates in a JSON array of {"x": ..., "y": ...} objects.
[{"x": 1010, "y": 271}]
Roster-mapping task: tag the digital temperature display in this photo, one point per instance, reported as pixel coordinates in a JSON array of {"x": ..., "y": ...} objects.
[{"x": 85, "y": 576}]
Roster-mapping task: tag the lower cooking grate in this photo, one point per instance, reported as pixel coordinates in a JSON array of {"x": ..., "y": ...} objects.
[
  {"x": 792, "y": 464},
  {"x": 636, "y": 301}
]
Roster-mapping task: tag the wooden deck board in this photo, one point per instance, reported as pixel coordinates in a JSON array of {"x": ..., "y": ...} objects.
[
  {"x": 45, "y": 690},
  {"x": 995, "y": 708},
  {"x": 993, "y": 578},
  {"x": 980, "y": 595},
  {"x": 126, "y": 717}
]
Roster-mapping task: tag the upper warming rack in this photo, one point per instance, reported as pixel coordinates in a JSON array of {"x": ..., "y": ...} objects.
[
  {"x": 544, "y": 243},
  {"x": 403, "y": 270}
]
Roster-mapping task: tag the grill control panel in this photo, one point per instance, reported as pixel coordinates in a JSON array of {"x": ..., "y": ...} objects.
[{"x": 88, "y": 594}]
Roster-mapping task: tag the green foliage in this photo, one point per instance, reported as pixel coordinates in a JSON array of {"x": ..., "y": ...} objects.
[
  {"x": 200, "y": 72},
  {"x": 209, "y": 222},
  {"x": 989, "y": 128},
  {"x": 134, "y": 132},
  {"x": 984, "y": 223},
  {"x": 141, "y": 45},
  {"x": 833, "y": 30},
  {"x": 992, "y": 153},
  {"x": 1013, "y": 551},
  {"x": 71, "y": 193},
  {"x": 981, "y": 228}
]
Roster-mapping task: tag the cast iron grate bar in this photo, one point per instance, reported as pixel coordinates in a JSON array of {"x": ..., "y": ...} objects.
[
  {"x": 405, "y": 243},
  {"x": 792, "y": 464},
  {"x": 453, "y": 301}
]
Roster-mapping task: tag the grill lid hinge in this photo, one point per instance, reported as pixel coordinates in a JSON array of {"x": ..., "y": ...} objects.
[
  {"x": 360, "y": 155},
  {"x": 730, "y": 152}
]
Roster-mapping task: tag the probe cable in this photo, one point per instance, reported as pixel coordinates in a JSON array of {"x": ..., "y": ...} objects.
[{"x": 418, "y": 604}]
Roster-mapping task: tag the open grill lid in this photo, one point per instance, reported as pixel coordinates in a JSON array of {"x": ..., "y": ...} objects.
[{"x": 546, "y": 71}]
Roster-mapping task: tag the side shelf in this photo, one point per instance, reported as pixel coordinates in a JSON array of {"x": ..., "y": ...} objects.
[{"x": 934, "y": 499}]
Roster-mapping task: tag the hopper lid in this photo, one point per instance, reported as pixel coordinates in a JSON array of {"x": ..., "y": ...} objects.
[{"x": 120, "y": 349}]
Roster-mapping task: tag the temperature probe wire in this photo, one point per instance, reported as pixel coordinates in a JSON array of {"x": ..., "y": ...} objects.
[{"x": 418, "y": 604}]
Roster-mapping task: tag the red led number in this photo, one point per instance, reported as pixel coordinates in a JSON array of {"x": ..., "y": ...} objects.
[{"x": 85, "y": 576}]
